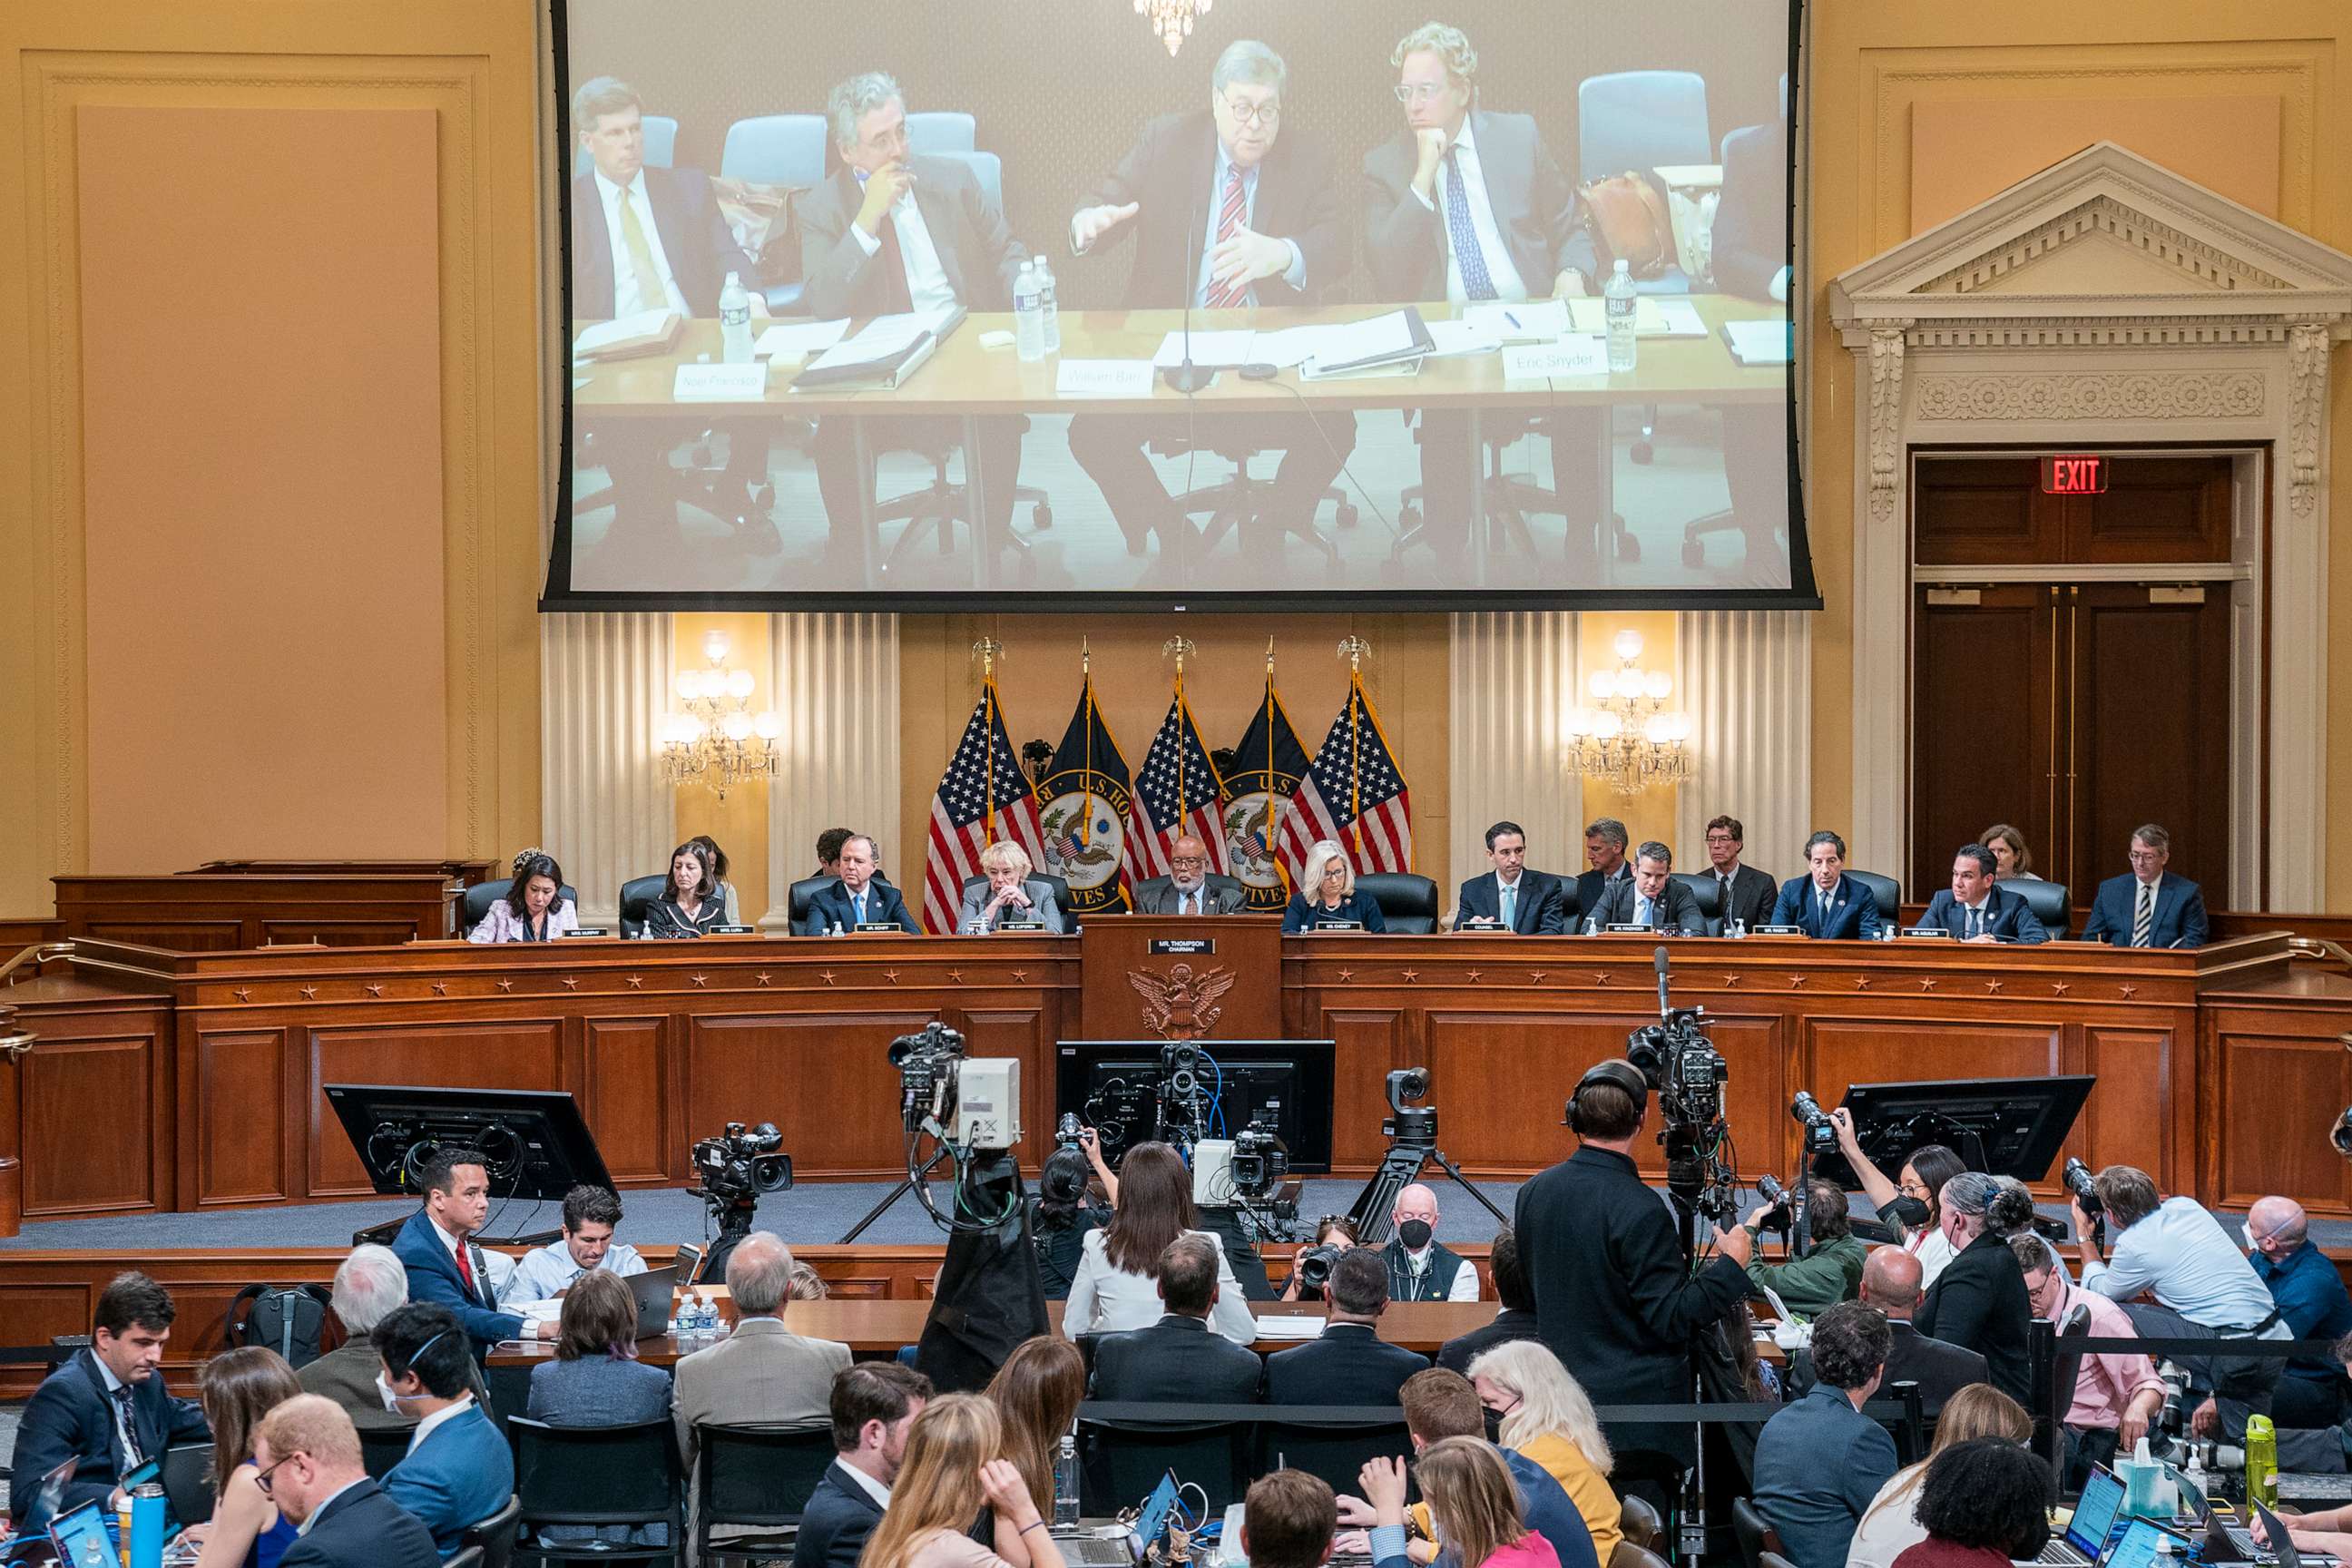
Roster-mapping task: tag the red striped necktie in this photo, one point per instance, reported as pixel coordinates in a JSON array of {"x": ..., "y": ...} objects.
[{"x": 1229, "y": 222}]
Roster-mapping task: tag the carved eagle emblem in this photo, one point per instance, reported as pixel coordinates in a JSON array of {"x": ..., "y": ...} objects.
[{"x": 1181, "y": 1005}]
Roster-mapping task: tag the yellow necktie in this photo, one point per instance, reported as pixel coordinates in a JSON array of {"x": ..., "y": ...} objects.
[{"x": 651, "y": 295}]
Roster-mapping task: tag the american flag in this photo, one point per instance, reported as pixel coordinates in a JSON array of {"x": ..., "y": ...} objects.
[
  {"x": 1176, "y": 792},
  {"x": 1353, "y": 793},
  {"x": 982, "y": 796}
]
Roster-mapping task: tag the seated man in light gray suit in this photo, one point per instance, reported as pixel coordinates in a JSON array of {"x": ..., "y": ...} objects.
[
  {"x": 888, "y": 233},
  {"x": 1010, "y": 895},
  {"x": 1185, "y": 891},
  {"x": 1467, "y": 205},
  {"x": 761, "y": 1372}
]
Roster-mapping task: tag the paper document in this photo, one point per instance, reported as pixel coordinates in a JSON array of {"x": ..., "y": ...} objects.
[
  {"x": 794, "y": 339},
  {"x": 1289, "y": 1327},
  {"x": 1383, "y": 336},
  {"x": 1571, "y": 355},
  {"x": 884, "y": 337},
  {"x": 1451, "y": 338},
  {"x": 1523, "y": 322},
  {"x": 1762, "y": 342},
  {"x": 1103, "y": 378},
  {"x": 1652, "y": 316},
  {"x": 1228, "y": 346},
  {"x": 645, "y": 327},
  {"x": 1287, "y": 347}
]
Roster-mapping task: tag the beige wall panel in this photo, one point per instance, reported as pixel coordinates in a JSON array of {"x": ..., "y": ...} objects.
[{"x": 1963, "y": 151}]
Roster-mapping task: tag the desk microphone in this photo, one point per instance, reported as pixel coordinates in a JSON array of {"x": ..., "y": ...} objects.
[
  {"x": 1187, "y": 378},
  {"x": 1663, "y": 965}
]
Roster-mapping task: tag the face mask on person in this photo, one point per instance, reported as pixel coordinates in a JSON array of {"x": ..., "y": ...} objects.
[
  {"x": 1912, "y": 1213},
  {"x": 1414, "y": 1233},
  {"x": 383, "y": 1389}
]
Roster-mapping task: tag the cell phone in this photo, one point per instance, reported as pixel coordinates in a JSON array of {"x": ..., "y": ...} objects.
[{"x": 140, "y": 1474}]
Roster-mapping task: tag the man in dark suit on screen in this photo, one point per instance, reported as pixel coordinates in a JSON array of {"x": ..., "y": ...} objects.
[
  {"x": 1226, "y": 210},
  {"x": 1510, "y": 898},
  {"x": 1467, "y": 205},
  {"x": 1974, "y": 909},
  {"x": 1652, "y": 897},
  {"x": 1746, "y": 893},
  {"x": 653, "y": 240},
  {"x": 892, "y": 232}
]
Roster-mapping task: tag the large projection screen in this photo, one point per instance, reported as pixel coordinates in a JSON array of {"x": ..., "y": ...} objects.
[{"x": 1381, "y": 233}]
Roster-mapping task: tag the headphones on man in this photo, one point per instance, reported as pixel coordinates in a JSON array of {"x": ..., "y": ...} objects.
[{"x": 1618, "y": 1073}]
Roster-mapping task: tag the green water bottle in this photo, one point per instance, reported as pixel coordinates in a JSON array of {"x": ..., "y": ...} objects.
[{"x": 2262, "y": 1461}]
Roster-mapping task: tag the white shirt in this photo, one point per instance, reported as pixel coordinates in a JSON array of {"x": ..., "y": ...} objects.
[
  {"x": 448, "y": 1413},
  {"x": 545, "y": 1270},
  {"x": 1105, "y": 1300},
  {"x": 927, "y": 280},
  {"x": 1466, "y": 1278},
  {"x": 627, "y": 300},
  {"x": 874, "y": 1488},
  {"x": 122, "y": 1432},
  {"x": 1500, "y": 271},
  {"x": 2182, "y": 1256},
  {"x": 1295, "y": 274},
  {"x": 1934, "y": 1250}
]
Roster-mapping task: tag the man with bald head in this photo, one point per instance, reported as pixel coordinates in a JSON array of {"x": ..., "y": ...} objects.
[
  {"x": 761, "y": 1372},
  {"x": 2310, "y": 1298},
  {"x": 1420, "y": 1269},
  {"x": 1186, "y": 890},
  {"x": 1890, "y": 1282}
]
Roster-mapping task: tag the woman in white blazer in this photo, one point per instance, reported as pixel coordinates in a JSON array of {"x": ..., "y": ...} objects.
[{"x": 1118, "y": 1284}]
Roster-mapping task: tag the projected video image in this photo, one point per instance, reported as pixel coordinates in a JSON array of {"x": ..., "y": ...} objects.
[{"x": 945, "y": 303}]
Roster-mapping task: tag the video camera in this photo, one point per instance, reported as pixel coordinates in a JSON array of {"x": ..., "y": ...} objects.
[
  {"x": 1687, "y": 1072},
  {"x": 738, "y": 1165},
  {"x": 1413, "y": 1127},
  {"x": 965, "y": 1101},
  {"x": 1261, "y": 1162}
]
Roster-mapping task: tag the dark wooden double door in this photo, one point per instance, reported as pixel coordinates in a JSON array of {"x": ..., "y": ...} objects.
[{"x": 2074, "y": 709}]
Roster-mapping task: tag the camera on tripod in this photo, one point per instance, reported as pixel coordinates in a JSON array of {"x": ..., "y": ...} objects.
[
  {"x": 973, "y": 1103},
  {"x": 1686, "y": 1071},
  {"x": 1261, "y": 1162},
  {"x": 737, "y": 1166},
  {"x": 1413, "y": 1127}
]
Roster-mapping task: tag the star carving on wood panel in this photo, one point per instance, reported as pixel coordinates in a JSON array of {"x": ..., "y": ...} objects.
[
  {"x": 891, "y": 975},
  {"x": 309, "y": 993},
  {"x": 2129, "y": 992},
  {"x": 243, "y": 993},
  {"x": 1346, "y": 975},
  {"x": 1796, "y": 980},
  {"x": 571, "y": 983},
  {"x": 1993, "y": 987},
  {"x": 440, "y": 988},
  {"x": 1927, "y": 985},
  {"x": 2059, "y": 988},
  {"x": 637, "y": 983},
  {"x": 1411, "y": 976},
  {"x": 375, "y": 990},
  {"x": 702, "y": 980},
  {"x": 826, "y": 976},
  {"x": 1536, "y": 976},
  {"x": 956, "y": 975},
  {"x": 1474, "y": 975},
  {"x": 1600, "y": 977},
  {"x": 506, "y": 985},
  {"x": 1861, "y": 983},
  {"x": 1730, "y": 980},
  {"x": 1020, "y": 977},
  {"x": 763, "y": 977}
]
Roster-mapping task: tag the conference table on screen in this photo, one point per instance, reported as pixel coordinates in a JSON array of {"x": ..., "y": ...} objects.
[
  {"x": 211, "y": 1065},
  {"x": 968, "y": 380}
]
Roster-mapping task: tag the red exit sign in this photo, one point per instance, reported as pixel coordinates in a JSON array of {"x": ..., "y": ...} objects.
[{"x": 2074, "y": 475}]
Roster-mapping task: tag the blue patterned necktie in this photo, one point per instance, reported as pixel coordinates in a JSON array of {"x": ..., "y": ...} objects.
[
  {"x": 1510, "y": 906},
  {"x": 1476, "y": 284}
]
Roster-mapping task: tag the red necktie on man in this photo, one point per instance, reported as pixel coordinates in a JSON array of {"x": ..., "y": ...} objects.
[{"x": 1229, "y": 223}]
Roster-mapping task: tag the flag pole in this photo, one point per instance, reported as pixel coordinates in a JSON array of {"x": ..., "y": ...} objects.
[
  {"x": 988, "y": 648},
  {"x": 1087, "y": 783},
  {"x": 1355, "y": 649},
  {"x": 1180, "y": 646}
]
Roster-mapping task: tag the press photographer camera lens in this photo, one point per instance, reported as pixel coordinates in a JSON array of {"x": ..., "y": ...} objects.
[
  {"x": 1820, "y": 1132},
  {"x": 2077, "y": 1177},
  {"x": 1314, "y": 1266}
]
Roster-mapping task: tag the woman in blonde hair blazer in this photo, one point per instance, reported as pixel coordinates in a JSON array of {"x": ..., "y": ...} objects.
[{"x": 1326, "y": 892}]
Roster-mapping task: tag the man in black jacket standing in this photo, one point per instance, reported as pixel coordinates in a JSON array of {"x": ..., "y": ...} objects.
[
  {"x": 1615, "y": 1298},
  {"x": 872, "y": 1405}
]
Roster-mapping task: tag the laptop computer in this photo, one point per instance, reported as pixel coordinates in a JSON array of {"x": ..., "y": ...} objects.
[
  {"x": 653, "y": 1290},
  {"x": 1127, "y": 1549},
  {"x": 2086, "y": 1536},
  {"x": 188, "y": 1483},
  {"x": 80, "y": 1538}
]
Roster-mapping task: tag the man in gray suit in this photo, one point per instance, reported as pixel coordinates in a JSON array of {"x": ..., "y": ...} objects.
[
  {"x": 1466, "y": 205},
  {"x": 892, "y": 232},
  {"x": 370, "y": 1285},
  {"x": 1185, "y": 891},
  {"x": 761, "y": 1372}
]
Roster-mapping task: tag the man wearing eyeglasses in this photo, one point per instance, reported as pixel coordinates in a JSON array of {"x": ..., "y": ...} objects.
[
  {"x": 1185, "y": 891},
  {"x": 2144, "y": 907},
  {"x": 1228, "y": 212},
  {"x": 307, "y": 1456},
  {"x": 1467, "y": 205}
]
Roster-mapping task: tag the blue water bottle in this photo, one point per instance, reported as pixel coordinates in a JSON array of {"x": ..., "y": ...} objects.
[{"x": 147, "y": 1525}]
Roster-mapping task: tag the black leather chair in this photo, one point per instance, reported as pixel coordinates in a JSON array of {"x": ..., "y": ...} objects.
[
  {"x": 1709, "y": 894},
  {"x": 755, "y": 1479},
  {"x": 2048, "y": 902},
  {"x": 1337, "y": 1454},
  {"x": 1885, "y": 889},
  {"x": 1627, "y": 1554},
  {"x": 802, "y": 896},
  {"x": 1639, "y": 1521},
  {"x": 482, "y": 895},
  {"x": 494, "y": 1537},
  {"x": 381, "y": 1448},
  {"x": 1060, "y": 885},
  {"x": 638, "y": 896},
  {"x": 1408, "y": 902},
  {"x": 598, "y": 1476},
  {"x": 1755, "y": 1537},
  {"x": 1122, "y": 1461}
]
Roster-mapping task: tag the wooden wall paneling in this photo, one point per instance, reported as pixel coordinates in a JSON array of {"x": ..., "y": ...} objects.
[
  {"x": 820, "y": 1077},
  {"x": 230, "y": 1154},
  {"x": 623, "y": 1089},
  {"x": 1367, "y": 1042},
  {"x": 2139, "y": 757},
  {"x": 2156, "y": 507},
  {"x": 1985, "y": 510},
  {"x": 2136, "y": 1112},
  {"x": 503, "y": 1053},
  {"x": 2270, "y": 1073},
  {"x": 68, "y": 1169}
]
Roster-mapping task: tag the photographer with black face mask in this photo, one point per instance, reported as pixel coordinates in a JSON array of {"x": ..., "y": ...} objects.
[
  {"x": 1419, "y": 1269},
  {"x": 1064, "y": 1209}
]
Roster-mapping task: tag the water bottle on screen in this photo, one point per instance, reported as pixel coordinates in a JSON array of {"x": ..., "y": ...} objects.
[
  {"x": 734, "y": 322},
  {"x": 1618, "y": 296},
  {"x": 1049, "y": 308},
  {"x": 1028, "y": 316}
]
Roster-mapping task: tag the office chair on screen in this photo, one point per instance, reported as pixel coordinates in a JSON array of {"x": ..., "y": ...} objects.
[
  {"x": 777, "y": 149},
  {"x": 1509, "y": 499},
  {"x": 661, "y": 145},
  {"x": 1632, "y": 121},
  {"x": 941, "y": 131}
]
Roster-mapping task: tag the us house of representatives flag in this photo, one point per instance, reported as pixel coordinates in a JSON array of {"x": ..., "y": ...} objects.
[
  {"x": 1087, "y": 791},
  {"x": 1258, "y": 791},
  {"x": 1352, "y": 793}
]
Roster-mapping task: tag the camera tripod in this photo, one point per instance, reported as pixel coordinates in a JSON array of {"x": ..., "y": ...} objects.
[
  {"x": 906, "y": 1185},
  {"x": 734, "y": 1215},
  {"x": 1400, "y": 1168}
]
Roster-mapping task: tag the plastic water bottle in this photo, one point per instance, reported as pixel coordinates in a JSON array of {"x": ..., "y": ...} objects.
[
  {"x": 1048, "y": 306},
  {"x": 1028, "y": 316},
  {"x": 734, "y": 322},
  {"x": 1066, "y": 1482},
  {"x": 1618, "y": 294}
]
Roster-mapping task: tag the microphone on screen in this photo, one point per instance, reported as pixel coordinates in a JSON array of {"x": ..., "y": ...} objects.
[
  {"x": 1663, "y": 965},
  {"x": 1184, "y": 377}
]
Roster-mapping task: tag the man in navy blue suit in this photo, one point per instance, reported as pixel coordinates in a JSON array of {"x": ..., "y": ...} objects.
[
  {"x": 308, "y": 1452},
  {"x": 1825, "y": 902},
  {"x": 1974, "y": 909},
  {"x": 444, "y": 1265},
  {"x": 859, "y": 897},
  {"x": 106, "y": 1408},
  {"x": 872, "y": 1406},
  {"x": 1511, "y": 897},
  {"x": 459, "y": 1470},
  {"x": 2146, "y": 908}
]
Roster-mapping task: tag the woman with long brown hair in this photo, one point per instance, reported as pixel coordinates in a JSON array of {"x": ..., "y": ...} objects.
[
  {"x": 1117, "y": 1284},
  {"x": 238, "y": 1388},
  {"x": 951, "y": 1468},
  {"x": 1036, "y": 1394},
  {"x": 1889, "y": 1524}
]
